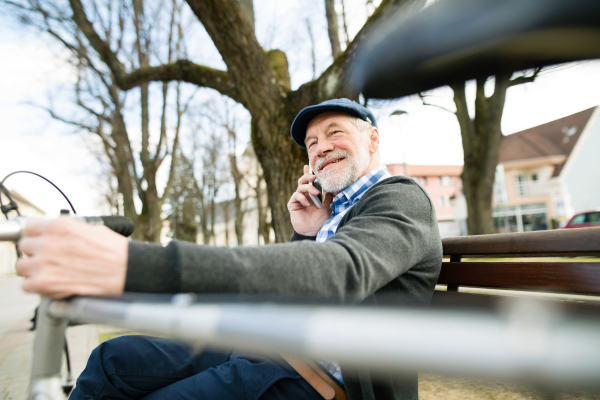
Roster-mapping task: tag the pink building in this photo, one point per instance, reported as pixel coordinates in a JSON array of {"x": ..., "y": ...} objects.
[
  {"x": 441, "y": 182},
  {"x": 546, "y": 174}
]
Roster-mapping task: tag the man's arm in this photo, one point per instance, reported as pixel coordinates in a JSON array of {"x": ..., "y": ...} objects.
[{"x": 393, "y": 228}]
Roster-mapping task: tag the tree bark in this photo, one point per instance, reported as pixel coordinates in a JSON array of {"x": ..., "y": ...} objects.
[
  {"x": 238, "y": 201},
  {"x": 247, "y": 7}
]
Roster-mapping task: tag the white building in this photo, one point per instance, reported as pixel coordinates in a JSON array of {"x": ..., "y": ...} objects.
[
  {"x": 551, "y": 172},
  {"x": 8, "y": 255}
]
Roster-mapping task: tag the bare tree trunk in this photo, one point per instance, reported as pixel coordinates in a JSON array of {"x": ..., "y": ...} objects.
[
  {"x": 213, "y": 214},
  {"x": 204, "y": 219},
  {"x": 238, "y": 201},
  {"x": 226, "y": 209},
  {"x": 264, "y": 228},
  {"x": 333, "y": 28},
  {"x": 481, "y": 138}
]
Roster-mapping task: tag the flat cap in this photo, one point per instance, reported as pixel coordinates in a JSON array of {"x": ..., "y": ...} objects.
[{"x": 348, "y": 106}]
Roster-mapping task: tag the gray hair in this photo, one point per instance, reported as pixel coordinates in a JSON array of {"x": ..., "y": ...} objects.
[
  {"x": 364, "y": 128},
  {"x": 362, "y": 125}
]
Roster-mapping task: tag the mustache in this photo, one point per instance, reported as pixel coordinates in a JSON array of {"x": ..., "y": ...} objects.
[{"x": 335, "y": 154}]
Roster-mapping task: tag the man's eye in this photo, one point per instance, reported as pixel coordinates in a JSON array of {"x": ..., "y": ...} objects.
[
  {"x": 311, "y": 144},
  {"x": 334, "y": 132}
]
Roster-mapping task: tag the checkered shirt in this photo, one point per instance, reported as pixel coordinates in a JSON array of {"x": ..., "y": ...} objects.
[
  {"x": 339, "y": 207},
  {"x": 349, "y": 197}
]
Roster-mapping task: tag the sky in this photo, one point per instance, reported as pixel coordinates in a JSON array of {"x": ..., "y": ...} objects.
[{"x": 31, "y": 72}]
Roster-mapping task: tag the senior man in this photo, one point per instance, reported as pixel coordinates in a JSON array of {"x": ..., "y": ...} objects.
[{"x": 374, "y": 238}]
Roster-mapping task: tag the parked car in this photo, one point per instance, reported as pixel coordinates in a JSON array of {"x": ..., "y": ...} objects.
[{"x": 584, "y": 219}]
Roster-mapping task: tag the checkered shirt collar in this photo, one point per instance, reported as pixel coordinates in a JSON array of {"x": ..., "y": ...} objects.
[
  {"x": 352, "y": 194},
  {"x": 346, "y": 199}
]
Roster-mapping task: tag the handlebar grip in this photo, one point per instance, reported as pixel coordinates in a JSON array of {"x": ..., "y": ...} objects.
[{"x": 122, "y": 225}]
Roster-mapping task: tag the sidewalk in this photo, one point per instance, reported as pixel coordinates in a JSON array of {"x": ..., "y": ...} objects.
[{"x": 16, "y": 341}]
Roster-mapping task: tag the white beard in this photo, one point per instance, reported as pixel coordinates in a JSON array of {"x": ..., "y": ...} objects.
[{"x": 336, "y": 179}]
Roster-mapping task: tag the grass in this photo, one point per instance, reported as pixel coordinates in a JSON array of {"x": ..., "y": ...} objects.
[
  {"x": 103, "y": 337},
  {"x": 435, "y": 387}
]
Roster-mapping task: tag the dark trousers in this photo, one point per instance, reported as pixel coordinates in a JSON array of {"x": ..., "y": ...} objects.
[{"x": 141, "y": 367}]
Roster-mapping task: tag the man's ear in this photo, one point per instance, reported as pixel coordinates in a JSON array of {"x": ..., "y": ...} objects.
[{"x": 373, "y": 140}]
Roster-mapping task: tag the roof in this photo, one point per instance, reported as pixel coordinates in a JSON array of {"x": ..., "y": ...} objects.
[
  {"x": 554, "y": 138},
  {"x": 20, "y": 199}
]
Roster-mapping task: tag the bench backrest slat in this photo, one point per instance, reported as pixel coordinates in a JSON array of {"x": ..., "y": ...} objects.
[
  {"x": 581, "y": 278},
  {"x": 542, "y": 274},
  {"x": 581, "y": 241}
]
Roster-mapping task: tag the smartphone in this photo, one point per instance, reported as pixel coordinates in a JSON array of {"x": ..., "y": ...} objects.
[{"x": 317, "y": 185}]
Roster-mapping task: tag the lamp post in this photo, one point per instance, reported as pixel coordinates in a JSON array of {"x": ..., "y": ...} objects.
[{"x": 399, "y": 113}]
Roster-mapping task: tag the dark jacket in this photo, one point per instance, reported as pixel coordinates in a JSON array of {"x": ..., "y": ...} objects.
[{"x": 387, "y": 248}]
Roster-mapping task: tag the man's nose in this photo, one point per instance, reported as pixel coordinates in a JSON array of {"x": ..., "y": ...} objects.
[{"x": 324, "y": 147}]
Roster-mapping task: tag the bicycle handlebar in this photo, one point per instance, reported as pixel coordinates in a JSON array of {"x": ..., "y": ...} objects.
[
  {"x": 122, "y": 225},
  {"x": 12, "y": 230}
]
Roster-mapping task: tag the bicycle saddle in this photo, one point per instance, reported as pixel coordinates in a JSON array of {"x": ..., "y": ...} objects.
[{"x": 456, "y": 40}]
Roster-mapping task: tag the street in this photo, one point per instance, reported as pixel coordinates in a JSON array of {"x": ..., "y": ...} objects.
[{"x": 16, "y": 341}]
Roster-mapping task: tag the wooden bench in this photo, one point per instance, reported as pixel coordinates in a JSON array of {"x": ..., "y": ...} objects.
[{"x": 473, "y": 263}]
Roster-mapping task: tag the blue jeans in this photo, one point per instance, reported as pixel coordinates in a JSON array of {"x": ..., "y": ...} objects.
[{"x": 142, "y": 367}]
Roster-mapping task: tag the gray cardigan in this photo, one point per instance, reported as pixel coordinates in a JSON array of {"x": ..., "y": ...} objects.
[{"x": 387, "y": 249}]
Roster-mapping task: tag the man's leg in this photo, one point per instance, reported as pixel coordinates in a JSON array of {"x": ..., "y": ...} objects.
[
  {"x": 130, "y": 367},
  {"x": 244, "y": 376}
]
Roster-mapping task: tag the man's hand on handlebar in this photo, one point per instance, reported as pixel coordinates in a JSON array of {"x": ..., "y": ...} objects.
[{"x": 65, "y": 257}]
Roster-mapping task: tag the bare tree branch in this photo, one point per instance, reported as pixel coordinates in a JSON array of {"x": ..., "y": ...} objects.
[
  {"x": 422, "y": 97},
  {"x": 332, "y": 82},
  {"x": 312, "y": 47},
  {"x": 181, "y": 70},
  {"x": 186, "y": 71},
  {"x": 332, "y": 28},
  {"x": 102, "y": 48},
  {"x": 525, "y": 79},
  {"x": 345, "y": 24}
]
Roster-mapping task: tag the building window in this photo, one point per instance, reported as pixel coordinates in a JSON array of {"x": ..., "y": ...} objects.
[
  {"x": 446, "y": 180},
  {"x": 528, "y": 185},
  {"x": 441, "y": 201},
  {"x": 524, "y": 218},
  {"x": 439, "y": 181},
  {"x": 522, "y": 186},
  {"x": 423, "y": 181}
]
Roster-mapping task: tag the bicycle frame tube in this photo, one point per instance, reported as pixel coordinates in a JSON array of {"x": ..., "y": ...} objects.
[
  {"x": 47, "y": 356},
  {"x": 530, "y": 343}
]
